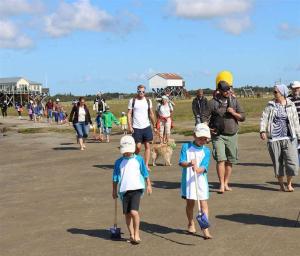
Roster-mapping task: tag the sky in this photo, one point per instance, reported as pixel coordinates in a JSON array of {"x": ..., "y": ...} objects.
[{"x": 86, "y": 46}]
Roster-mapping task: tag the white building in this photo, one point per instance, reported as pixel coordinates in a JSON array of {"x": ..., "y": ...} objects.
[
  {"x": 167, "y": 84},
  {"x": 19, "y": 85},
  {"x": 164, "y": 80}
]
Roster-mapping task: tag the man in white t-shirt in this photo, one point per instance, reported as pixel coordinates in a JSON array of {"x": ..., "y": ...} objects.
[{"x": 139, "y": 116}]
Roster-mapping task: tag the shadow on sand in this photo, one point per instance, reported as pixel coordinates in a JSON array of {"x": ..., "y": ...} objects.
[
  {"x": 214, "y": 186},
  {"x": 99, "y": 233},
  {"x": 159, "y": 231},
  {"x": 165, "y": 184},
  {"x": 66, "y": 148},
  {"x": 256, "y": 219},
  {"x": 256, "y": 164},
  {"x": 104, "y": 166},
  {"x": 295, "y": 185}
]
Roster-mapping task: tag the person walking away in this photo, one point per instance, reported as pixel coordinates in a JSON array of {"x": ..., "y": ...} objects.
[
  {"x": 49, "y": 110},
  {"x": 194, "y": 160},
  {"x": 123, "y": 122},
  {"x": 4, "y": 107},
  {"x": 30, "y": 110},
  {"x": 129, "y": 177},
  {"x": 80, "y": 117},
  {"x": 139, "y": 115},
  {"x": 19, "y": 108},
  {"x": 164, "y": 120},
  {"x": 108, "y": 118},
  {"x": 99, "y": 124},
  {"x": 223, "y": 113},
  {"x": 279, "y": 124},
  {"x": 199, "y": 104}
]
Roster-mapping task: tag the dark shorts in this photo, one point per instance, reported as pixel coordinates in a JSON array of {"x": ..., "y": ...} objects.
[
  {"x": 142, "y": 135},
  {"x": 131, "y": 200}
]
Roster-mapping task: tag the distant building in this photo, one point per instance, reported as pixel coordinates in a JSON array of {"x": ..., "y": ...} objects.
[
  {"x": 19, "y": 85},
  {"x": 167, "y": 84},
  {"x": 20, "y": 89}
]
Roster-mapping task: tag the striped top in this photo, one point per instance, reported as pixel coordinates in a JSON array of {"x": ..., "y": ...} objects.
[
  {"x": 280, "y": 123},
  {"x": 296, "y": 101}
]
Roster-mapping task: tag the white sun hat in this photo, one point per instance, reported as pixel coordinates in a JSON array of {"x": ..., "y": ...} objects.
[
  {"x": 202, "y": 130},
  {"x": 57, "y": 99},
  {"x": 127, "y": 144},
  {"x": 295, "y": 84}
]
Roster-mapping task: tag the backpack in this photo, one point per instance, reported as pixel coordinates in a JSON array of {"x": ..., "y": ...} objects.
[{"x": 133, "y": 103}]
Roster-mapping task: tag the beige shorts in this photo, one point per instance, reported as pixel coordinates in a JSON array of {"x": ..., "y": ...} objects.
[{"x": 165, "y": 127}]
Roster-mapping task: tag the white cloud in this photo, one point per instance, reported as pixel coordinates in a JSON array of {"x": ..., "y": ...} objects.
[
  {"x": 79, "y": 15},
  {"x": 205, "y": 9},
  {"x": 232, "y": 15},
  {"x": 287, "y": 31},
  {"x": 17, "y": 7},
  {"x": 11, "y": 37},
  {"x": 235, "y": 26}
]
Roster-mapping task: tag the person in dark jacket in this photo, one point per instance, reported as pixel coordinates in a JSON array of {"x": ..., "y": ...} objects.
[
  {"x": 4, "y": 107},
  {"x": 198, "y": 106},
  {"x": 223, "y": 113},
  {"x": 80, "y": 117}
]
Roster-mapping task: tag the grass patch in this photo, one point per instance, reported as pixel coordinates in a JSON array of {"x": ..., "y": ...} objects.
[{"x": 45, "y": 130}]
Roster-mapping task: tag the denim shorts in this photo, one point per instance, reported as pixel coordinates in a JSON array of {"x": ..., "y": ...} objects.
[
  {"x": 107, "y": 130},
  {"x": 142, "y": 135},
  {"x": 82, "y": 129}
]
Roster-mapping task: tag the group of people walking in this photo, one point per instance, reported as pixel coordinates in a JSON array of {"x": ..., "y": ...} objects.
[{"x": 216, "y": 120}]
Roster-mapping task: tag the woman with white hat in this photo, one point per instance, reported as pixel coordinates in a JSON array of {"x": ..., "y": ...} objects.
[
  {"x": 164, "y": 120},
  {"x": 280, "y": 125}
]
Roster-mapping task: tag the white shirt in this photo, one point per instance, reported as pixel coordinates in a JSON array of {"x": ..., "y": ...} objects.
[
  {"x": 140, "y": 113},
  {"x": 81, "y": 114},
  {"x": 164, "y": 110}
]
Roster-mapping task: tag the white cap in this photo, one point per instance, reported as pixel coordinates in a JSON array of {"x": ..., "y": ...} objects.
[
  {"x": 202, "y": 130},
  {"x": 31, "y": 101},
  {"x": 127, "y": 144},
  {"x": 57, "y": 99},
  {"x": 295, "y": 84},
  {"x": 164, "y": 97},
  {"x": 123, "y": 113}
]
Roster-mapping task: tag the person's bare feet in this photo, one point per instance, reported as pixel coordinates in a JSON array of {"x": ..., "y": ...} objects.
[
  {"x": 290, "y": 188},
  {"x": 281, "y": 187},
  {"x": 206, "y": 234},
  {"x": 221, "y": 190},
  {"x": 227, "y": 188},
  {"x": 191, "y": 228}
]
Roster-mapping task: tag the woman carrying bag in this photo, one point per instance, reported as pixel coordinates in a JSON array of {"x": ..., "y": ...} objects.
[{"x": 80, "y": 117}]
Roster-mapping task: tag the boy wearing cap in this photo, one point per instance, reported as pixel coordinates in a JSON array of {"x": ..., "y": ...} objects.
[
  {"x": 108, "y": 118},
  {"x": 123, "y": 122},
  {"x": 194, "y": 160},
  {"x": 129, "y": 176},
  {"x": 223, "y": 113}
]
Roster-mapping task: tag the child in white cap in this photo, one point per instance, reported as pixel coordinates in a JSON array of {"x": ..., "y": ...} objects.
[
  {"x": 129, "y": 177},
  {"x": 194, "y": 160}
]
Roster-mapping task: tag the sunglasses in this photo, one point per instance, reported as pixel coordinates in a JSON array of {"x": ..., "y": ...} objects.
[{"x": 139, "y": 91}]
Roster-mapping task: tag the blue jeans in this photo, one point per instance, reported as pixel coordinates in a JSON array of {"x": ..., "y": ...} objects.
[
  {"x": 82, "y": 129},
  {"x": 50, "y": 113}
]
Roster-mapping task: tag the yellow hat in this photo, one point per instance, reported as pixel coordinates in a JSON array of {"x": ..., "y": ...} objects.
[{"x": 224, "y": 76}]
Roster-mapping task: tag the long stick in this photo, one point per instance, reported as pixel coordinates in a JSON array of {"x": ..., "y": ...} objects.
[
  {"x": 196, "y": 184},
  {"x": 116, "y": 209}
]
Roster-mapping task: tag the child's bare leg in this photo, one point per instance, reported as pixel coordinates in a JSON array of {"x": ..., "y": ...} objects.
[
  {"x": 129, "y": 224},
  {"x": 189, "y": 214},
  {"x": 204, "y": 207},
  {"x": 136, "y": 224}
]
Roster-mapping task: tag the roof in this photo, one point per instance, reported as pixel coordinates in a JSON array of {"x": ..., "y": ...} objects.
[
  {"x": 9, "y": 80},
  {"x": 168, "y": 76}
]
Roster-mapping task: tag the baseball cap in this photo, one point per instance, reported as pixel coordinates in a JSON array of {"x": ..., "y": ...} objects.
[
  {"x": 127, "y": 144},
  {"x": 295, "y": 84},
  {"x": 202, "y": 130},
  {"x": 164, "y": 97},
  {"x": 223, "y": 86}
]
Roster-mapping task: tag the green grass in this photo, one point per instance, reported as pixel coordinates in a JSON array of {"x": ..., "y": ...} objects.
[
  {"x": 45, "y": 130},
  {"x": 182, "y": 113}
]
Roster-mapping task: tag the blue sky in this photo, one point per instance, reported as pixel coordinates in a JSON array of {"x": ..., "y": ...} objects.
[{"x": 85, "y": 46}]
